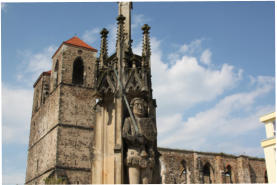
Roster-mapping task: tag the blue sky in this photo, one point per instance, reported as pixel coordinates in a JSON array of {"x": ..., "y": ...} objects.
[{"x": 213, "y": 67}]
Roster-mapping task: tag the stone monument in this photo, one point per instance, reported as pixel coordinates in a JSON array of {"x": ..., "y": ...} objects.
[{"x": 126, "y": 136}]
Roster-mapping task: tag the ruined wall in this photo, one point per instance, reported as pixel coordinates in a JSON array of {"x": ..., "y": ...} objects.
[{"x": 181, "y": 166}]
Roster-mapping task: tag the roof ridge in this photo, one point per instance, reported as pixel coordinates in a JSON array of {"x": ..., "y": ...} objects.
[{"x": 76, "y": 41}]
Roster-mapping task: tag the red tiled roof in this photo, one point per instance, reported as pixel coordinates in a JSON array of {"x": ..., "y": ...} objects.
[
  {"x": 75, "y": 41},
  {"x": 47, "y": 72},
  {"x": 78, "y": 42}
]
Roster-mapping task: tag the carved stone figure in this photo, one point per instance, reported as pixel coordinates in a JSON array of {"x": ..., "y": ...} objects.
[{"x": 140, "y": 158}]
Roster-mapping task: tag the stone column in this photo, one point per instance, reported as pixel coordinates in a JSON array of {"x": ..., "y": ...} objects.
[{"x": 243, "y": 170}]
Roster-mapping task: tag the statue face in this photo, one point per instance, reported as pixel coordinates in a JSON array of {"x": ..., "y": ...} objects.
[{"x": 139, "y": 109}]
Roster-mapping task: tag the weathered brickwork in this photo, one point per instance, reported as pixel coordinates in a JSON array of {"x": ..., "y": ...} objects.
[
  {"x": 181, "y": 166},
  {"x": 41, "y": 158},
  {"x": 77, "y": 106},
  {"x": 74, "y": 147},
  {"x": 45, "y": 118},
  {"x": 78, "y": 177},
  {"x": 41, "y": 91},
  {"x": 257, "y": 171}
]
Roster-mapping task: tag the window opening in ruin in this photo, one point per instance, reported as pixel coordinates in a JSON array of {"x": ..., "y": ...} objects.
[
  {"x": 228, "y": 175},
  {"x": 56, "y": 72},
  {"x": 184, "y": 167},
  {"x": 265, "y": 177},
  {"x": 206, "y": 174},
  {"x": 78, "y": 71},
  {"x": 183, "y": 174}
]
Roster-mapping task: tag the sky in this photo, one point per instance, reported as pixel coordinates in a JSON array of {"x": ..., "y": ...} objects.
[{"x": 213, "y": 69}]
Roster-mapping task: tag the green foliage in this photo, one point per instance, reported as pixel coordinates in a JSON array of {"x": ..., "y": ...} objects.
[{"x": 54, "y": 180}]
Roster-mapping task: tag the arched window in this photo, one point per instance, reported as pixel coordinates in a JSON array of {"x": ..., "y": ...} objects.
[
  {"x": 228, "y": 174},
  {"x": 56, "y": 72},
  {"x": 206, "y": 173},
  {"x": 78, "y": 71}
]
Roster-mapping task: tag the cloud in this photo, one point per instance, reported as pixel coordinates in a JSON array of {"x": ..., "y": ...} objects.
[
  {"x": 206, "y": 57},
  {"x": 92, "y": 35},
  {"x": 33, "y": 64},
  {"x": 191, "y": 49},
  {"x": 14, "y": 178},
  {"x": 17, "y": 105},
  {"x": 232, "y": 116},
  {"x": 186, "y": 83}
]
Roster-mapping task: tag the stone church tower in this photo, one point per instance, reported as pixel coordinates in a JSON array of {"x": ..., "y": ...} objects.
[
  {"x": 62, "y": 123},
  {"x": 80, "y": 108}
]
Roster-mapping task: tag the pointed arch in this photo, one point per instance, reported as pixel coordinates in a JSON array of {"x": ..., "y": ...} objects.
[
  {"x": 78, "y": 71},
  {"x": 207, "y": 173}
]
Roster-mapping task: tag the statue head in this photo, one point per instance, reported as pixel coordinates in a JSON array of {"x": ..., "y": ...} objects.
[{"x": 139, "y": 107}]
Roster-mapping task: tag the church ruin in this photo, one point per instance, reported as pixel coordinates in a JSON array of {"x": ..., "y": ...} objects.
[{"x": 94, "y": 121}]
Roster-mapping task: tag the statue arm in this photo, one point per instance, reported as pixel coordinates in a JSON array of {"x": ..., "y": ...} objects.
[{"x": 127, "y": 132}]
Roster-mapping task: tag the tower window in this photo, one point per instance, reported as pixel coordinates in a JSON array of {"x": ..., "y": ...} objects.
[{"x": 78, "y": 71}]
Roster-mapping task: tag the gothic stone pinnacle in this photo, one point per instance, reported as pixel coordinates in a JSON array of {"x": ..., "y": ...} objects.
[
  {"x": 145, "y": 28},
  {"x": 120, "y": 19},
  {"x": 104, "y": 32}
]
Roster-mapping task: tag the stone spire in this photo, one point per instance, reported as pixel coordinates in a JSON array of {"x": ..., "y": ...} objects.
[
  {"x": 146, "y": 51},
  {"x": 104, "y": 47},
  {"x": 124, "y": 8},
  {"x": 120, "y": 31}
]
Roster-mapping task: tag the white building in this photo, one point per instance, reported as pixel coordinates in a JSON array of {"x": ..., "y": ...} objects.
[{"x": 269, "y": 145}]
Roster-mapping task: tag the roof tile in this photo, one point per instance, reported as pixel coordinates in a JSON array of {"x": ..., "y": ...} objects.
[{"x": 78, "y": 42}]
